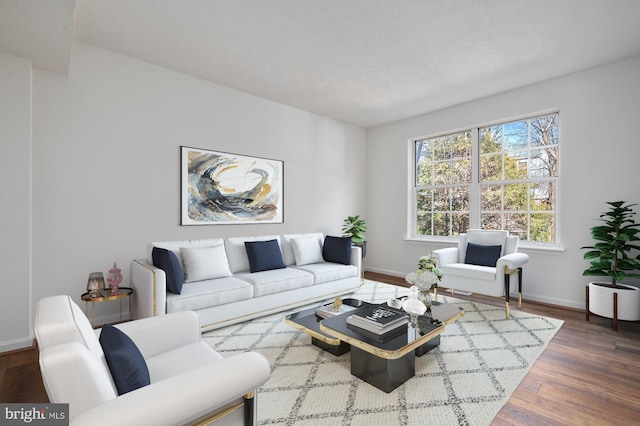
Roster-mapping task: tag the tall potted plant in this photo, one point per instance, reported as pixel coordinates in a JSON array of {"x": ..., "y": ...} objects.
[
  {"x": 612, "y": 256},
  {"x": 355, "y": 227}
]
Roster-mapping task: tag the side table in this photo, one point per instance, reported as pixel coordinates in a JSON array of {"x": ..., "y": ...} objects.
[{"x": 105, "y": 296}]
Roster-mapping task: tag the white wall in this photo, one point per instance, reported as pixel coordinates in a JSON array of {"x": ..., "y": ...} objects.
[
  {"x": 600, "y": 158},
  {"x": 106, "y": 144},
  {"x": 15, "y": 190}
]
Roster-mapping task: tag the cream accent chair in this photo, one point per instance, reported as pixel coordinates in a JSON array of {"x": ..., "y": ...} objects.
[
  {"x": 487, "y": 280},
  {"x": 190, "y": 382}
]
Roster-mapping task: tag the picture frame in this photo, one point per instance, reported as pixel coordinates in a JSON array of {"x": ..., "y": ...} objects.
[{"x": 221, "y": 188}]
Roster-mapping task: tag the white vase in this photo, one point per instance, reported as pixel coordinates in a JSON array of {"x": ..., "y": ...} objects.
[{"x": 601, "y": 301}]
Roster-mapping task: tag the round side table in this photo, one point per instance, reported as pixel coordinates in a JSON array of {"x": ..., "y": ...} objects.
[{"x": 105, "y": 296}]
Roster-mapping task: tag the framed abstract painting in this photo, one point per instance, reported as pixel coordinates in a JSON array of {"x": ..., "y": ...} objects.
[{"x": 219, "y": 188}]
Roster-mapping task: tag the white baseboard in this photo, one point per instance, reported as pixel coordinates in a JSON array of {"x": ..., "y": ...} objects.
[{"x": 12, "y": 345}]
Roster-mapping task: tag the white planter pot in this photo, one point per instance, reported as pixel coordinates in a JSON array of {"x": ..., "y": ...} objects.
[{"x": 601, "y": 301}]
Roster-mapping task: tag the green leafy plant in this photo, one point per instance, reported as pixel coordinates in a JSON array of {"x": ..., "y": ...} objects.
[
  {"x": 610, "y": 255},
  {"x": 354, "y": 227}
]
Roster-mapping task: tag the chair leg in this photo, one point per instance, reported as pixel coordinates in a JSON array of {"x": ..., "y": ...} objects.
[
  {"x": 519, "y": 287},
  {"x": 507, "y": 278},
  {"x": 250, "y": 409}
]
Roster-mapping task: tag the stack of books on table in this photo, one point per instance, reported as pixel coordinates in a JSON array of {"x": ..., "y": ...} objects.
[{"x": 378, "y": 322}]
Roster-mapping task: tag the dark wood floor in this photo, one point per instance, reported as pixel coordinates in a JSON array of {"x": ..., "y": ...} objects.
[{"x": 588, "y": 375}]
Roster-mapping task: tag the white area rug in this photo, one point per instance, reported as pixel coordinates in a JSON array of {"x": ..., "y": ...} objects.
[{"x": 466, "y": 380}]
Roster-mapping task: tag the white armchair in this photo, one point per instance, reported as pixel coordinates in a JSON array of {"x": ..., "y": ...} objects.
[
  {"x": 190, "y": 382},
  {"x": 482, "y": 263}
]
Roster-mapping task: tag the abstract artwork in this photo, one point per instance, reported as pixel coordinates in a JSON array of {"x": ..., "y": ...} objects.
[{"x": 221, "y": 188}]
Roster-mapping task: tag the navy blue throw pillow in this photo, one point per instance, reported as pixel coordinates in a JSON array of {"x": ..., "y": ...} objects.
[
  {"x": 482, "y": 255},
  {"x": 264, "y": 255},
  {"x": 169, "y": 263},
  {"x": 337, "y": 249},
  {"x": 128, "y": 368}
]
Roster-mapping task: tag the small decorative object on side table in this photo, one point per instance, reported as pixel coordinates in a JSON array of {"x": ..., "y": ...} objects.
[
  {"x": 95, "y": 283},
  {"x": 114, "y": 278}
]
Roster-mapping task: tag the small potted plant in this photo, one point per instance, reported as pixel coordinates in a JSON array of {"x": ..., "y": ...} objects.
[
  {"x": 425, "y": 278},
  {"x": 611, "y": 256},
  {"x": 355, "y": 227}
]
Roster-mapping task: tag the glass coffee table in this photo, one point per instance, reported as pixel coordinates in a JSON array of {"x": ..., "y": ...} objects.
[{"x": 384, "y": 365}]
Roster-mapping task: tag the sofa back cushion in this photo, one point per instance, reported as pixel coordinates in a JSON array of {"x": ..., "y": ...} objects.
[
  {"x": 264, "y": 255},
  {"x": 481, "y": 237},
  {"x": 175, "y": 246},
  {"x": 287, "y": 246},
  {"x": 307, "y": 250},
  {"x": 237, "y": 253},
  {"x": 204, "y": 263}
]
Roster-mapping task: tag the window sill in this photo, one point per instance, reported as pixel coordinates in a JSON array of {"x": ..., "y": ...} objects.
[{"x": 551, "y": 249}]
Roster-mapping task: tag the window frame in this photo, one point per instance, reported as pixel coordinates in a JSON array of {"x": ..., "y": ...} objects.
[{"x": 476, "y": 184}]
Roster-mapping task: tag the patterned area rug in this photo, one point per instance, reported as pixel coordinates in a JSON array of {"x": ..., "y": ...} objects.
[{"x": 466, "y": 380}]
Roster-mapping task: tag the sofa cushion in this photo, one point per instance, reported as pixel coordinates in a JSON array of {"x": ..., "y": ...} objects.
[
  {"x": 465, "y": 270},
  {"x": 307, "y": 250},
  {"x": 329, "y": 271},
  {"x": 128, "y": 367},
  {"x": 169, "y": 263},
  {"x": 180, "y": 360},
  {"x": 205, "y": 294},
  {"x": 277, "y": 280},
  {"x": 237, "y": 252},
  {"x": 204, "y": 263},
  {"x": 287, "y": 249},
  {"x": 264, "y": 255},
  {"x": 337, "y": 249},
  {"x": 175, "y": 246},
  {"x": 481, "y": 255}
]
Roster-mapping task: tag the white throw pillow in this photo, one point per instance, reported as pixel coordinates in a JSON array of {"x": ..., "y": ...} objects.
[
  {"x": 204, "y": 263},
  {"x": 307, "y": 250}
]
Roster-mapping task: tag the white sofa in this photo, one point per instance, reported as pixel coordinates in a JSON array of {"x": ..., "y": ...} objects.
[
  {"x": 240, "y": 295},
  {"x": 189, "y": 381}
]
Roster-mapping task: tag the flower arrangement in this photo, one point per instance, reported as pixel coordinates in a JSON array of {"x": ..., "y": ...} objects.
[{"x": 426, "y": 276}]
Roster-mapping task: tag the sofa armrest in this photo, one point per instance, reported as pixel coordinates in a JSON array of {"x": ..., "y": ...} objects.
[
  {"x": 445, "y": 256},
  {"x": 149, "y": 285},
  {"x": 356, "y": 258},
  {"x": 513, "y": 261},
  {"x": 163, "y": 333},
  {"x": 185, "y": 398}
]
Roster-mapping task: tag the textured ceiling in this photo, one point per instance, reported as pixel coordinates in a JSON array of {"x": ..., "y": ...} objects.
[{"x": 366, "y": 62}]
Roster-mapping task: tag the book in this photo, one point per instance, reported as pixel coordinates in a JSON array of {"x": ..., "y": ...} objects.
[
  {"x": 382, "y": 338},
  {"x": 356, "y": 321},
  {"x": 378, "y": 317},
  {"x": 328, "y": 311}
]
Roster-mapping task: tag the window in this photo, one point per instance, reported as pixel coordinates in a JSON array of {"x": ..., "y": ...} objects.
[{"x": 503, "y": 176}]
